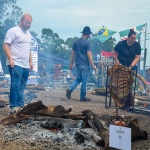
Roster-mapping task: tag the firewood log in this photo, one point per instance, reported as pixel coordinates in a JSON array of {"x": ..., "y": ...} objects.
[
  {"x": 102, "y": 129},
  {"x": 143, "y": 81},
  {"x": 36, "y": 87},
  {"x": 74, "y": 116},
  {"x": 98, "y": 125},
  {"x": 23, "y": 113},
  {"x": 136, "y": 132},
  {"x": 93, "y": 139},
  {"x": 142, "y": 98},
  {"x": 67, "y": 111},
  {"x": 58, "y": 110},
  {"x": 93, "y": 135},
  {"x": 143, "y": 103},
  {"x": 11, "y": 120},
  {"x": 32, "y": 108},
  {"x": 99, "y": 91}
]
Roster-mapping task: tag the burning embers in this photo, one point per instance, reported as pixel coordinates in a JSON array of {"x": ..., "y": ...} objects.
[
  {"x": 53, "y": 126},
  {"x": 52, "y": 129}
]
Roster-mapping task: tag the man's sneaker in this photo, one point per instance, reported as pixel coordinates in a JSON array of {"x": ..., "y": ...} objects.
[
  {"x": 15, "y": 109},
  {"x": 23, "y": 105},
  {"x": 34, "y": 100},
  {"x": 68, "y": 94},
  {"x": 85, "y": 99}
]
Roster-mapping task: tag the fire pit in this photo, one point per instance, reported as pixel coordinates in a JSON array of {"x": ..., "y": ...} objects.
[{"x": 38, "y": 123}]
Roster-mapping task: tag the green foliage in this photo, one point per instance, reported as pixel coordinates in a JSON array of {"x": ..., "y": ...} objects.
[
  {"x": 4, "y": 5},
  {"x": 50, "y": 42},
  {"x": 69, "y": 42},
  {"x": 46, "y": 33},
  {"x": 53, "y": 45},
  {"x": 9, "y": 17}
]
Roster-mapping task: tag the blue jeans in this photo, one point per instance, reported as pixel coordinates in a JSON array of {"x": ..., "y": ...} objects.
[
  {"x": 82, "y": 72},
  {"x": 17, "y": 85}
]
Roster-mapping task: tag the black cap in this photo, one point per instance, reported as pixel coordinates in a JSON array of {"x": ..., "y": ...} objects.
[{"x": 86, "y": 30}]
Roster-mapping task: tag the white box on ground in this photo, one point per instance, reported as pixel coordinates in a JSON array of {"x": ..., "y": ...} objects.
[{"x": 120, "y": 137}]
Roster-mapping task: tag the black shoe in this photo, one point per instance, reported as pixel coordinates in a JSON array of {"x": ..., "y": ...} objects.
[
  {"x": 85, "y": 99},
  {"x": 68, "y": 94}
]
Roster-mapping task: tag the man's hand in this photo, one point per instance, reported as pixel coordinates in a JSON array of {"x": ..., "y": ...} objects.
[
  {"x": 11, "y": 63},
  {"x": 94, "y": 67},
  {"x": 31, "y": 66}
]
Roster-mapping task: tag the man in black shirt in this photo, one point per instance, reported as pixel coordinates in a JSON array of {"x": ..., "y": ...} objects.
[{"x": 128, "y": 52}]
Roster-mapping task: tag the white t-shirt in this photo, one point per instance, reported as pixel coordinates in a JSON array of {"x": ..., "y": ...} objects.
[{"x": 20, "y": 43}]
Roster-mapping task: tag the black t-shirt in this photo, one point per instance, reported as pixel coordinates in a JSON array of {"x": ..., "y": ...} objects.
[
  {"x": 126, "y": 53},
  {"x": 81, "y": 46}
]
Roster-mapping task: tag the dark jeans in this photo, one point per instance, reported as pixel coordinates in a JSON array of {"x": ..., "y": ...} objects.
[
  {"x": 82, "y": 72},
  {"x": 17, "y": 85}
]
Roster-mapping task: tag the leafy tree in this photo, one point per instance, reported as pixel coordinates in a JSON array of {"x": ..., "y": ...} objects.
[
  {"x": 53, "y": 46},
  {"x": 108, "y": 45},
  {"x": 47, "y": 41},
  {"x": 37, "y": 39},
  {"x": 68, "y": 46},
  {"x": 9, "y": 16},
  {"x": 4, "y": 5},
  {"x": 69, "y": 42}
]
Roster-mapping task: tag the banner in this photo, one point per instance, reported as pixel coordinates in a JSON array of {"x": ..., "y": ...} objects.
[
  {"x": 104, "y": 34},
  {"x": 34, "y": 54},
  {"x": 138, "y": 30},
  {"x": 106, "y": 54}
]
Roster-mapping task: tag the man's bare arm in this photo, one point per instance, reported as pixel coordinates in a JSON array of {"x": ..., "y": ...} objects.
[
  {"x": 89, "y": 54},
  {"x": 8, "y": 54},
  {"x": 72, "y": 59}
]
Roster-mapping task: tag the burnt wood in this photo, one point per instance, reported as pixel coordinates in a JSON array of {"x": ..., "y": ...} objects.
[
  {"x": 58, "y": 110},
  {"x": 98, "y": 125}
]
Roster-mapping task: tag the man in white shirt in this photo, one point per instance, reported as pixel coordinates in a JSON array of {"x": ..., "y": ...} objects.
[{"x": 17, "y": 49}]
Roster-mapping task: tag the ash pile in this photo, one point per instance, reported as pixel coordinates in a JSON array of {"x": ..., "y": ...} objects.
[{"x": 56, "y": 125}]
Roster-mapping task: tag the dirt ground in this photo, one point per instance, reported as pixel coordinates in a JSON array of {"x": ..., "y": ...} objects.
[{"x": 97, "y": 105}]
